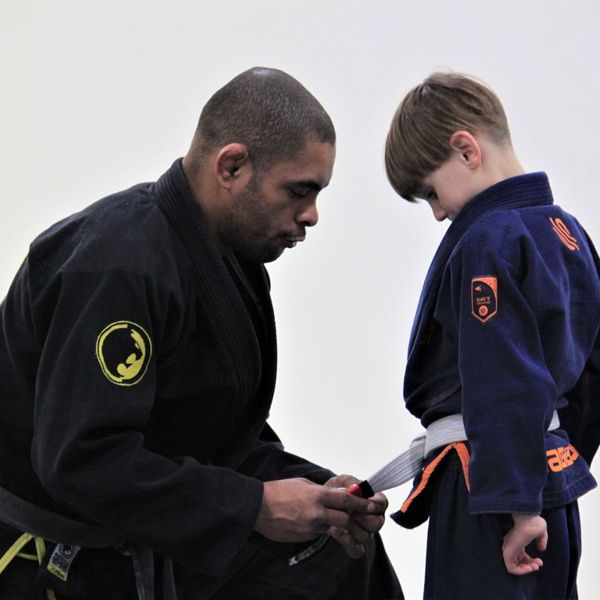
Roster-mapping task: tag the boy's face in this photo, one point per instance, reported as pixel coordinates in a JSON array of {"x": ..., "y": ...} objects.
[{"x": 448, "y": 188}]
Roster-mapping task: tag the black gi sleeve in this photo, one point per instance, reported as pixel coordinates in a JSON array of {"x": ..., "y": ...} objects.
[
  {"x": 269, "y": 461},
  {"x": 581, "y": 417},
  {"x": 508, "y": 394},
  {"x": 96, "y": 384}
]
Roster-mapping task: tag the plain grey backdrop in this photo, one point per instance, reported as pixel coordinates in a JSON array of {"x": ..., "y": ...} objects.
[{"x": 98, "y": 95}]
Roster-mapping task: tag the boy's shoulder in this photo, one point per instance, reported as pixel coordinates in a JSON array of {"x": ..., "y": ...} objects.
[
  {"x": 508, "y": 232},
  {"x": 495, "y": 226}
]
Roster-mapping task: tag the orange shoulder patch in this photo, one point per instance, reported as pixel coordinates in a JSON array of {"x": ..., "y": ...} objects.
[{"x": 484, "y": 297}]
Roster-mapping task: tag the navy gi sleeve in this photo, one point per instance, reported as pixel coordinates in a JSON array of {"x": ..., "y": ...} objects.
[
  {"x": 508, "y": 394},
  {"x": 96, "y": 385}
]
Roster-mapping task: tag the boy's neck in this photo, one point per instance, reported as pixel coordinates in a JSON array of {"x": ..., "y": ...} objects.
[{"x": 499, "y": 162}]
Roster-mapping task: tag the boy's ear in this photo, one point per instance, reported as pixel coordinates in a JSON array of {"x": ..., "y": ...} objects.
[
  {"x": 466, "y": 145},
  {"x": 231, "y": 164}
]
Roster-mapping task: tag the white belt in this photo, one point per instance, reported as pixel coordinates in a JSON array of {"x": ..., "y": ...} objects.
[{"x": 407, "y": 465}]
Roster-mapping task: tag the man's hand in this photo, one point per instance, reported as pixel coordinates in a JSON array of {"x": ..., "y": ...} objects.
[
  {"x": 526, "y": 529},
  {"x": 297, "y": 510},
  {"x": 361, "y": 526}
]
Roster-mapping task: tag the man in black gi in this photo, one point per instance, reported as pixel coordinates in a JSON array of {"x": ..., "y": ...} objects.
[{"x": 137, "y": 361}]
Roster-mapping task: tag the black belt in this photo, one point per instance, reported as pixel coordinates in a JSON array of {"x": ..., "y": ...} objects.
[{"x": 26, "y": 517}]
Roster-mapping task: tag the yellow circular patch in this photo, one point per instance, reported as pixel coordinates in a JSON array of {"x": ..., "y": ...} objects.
[{"x": 124, "y": 349}]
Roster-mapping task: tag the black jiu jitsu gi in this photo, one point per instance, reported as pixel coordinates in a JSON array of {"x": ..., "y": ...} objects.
[
  {"x": 506, "y": 333},
  {"x": 137, "y": 369}
]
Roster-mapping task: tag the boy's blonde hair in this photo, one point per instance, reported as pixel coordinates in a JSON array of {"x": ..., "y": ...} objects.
[{"x": 418, "y": 141}]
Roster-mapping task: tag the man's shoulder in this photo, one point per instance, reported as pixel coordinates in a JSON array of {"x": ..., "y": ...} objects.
[{"x": 125, "y": 231}]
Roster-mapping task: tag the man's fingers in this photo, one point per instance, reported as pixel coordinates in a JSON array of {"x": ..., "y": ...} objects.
[
  {"x": 334, "y": 518},
  {"x": 360, "y": 527},
  {"x": 340, "y": 499},
  {"x": 341, "y": 481},
  {"x": 381, "y": 500},
  {"x": 353, "y": 548},
  {"x": 371, "y": 523},
  {"x": 359, "y": 533}
]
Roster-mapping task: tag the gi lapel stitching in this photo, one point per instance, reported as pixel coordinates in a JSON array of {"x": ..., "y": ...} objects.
[{"x": 220, "y": 293}]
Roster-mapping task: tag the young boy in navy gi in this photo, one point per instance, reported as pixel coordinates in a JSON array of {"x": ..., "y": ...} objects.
[{"x": 506, "y": 336}]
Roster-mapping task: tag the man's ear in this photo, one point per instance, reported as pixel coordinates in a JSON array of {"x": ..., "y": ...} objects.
[
  {"x": 467, "y": 147},
  {"x": 232, "y": 165}
]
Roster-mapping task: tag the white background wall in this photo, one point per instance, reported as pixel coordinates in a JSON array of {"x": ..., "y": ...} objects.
[{"x": 98, "y": 95}]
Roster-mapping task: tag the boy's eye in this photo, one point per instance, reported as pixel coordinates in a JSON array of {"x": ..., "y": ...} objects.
[{"x": 427, "y": 194}]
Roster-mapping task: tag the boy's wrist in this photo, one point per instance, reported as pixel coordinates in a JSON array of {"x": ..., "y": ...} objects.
[{"x": 520, "y": 518}]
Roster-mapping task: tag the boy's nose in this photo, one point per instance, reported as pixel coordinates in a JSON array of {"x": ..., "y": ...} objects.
[{"x": 438, "y": 212}]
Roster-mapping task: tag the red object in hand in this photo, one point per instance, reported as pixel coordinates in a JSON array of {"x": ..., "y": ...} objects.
[
  {"x": 362, "y": 489},
  {"x": 354, "y": 489}
]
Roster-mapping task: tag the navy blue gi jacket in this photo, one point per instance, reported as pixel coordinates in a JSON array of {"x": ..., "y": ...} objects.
[
  {"x": 137, "y": 380},
  {"x": 505, "y": 333}
]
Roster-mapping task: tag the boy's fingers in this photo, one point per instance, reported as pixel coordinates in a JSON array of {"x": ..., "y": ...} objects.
[{"x": 542, "y": 542}]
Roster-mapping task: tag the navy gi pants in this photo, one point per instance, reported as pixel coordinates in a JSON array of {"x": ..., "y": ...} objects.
[{"x": 464, "y": 558}]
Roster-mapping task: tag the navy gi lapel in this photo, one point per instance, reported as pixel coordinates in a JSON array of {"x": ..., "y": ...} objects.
[{"x": 515, "y": 192}]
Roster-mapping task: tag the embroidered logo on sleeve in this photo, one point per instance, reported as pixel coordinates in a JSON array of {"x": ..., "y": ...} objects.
[
  {"x": 123, "y": 350},
  {"x": 563, "y": 233},
  {"x": 484, "y": 298},
  {"x": 561, "y": 458}
]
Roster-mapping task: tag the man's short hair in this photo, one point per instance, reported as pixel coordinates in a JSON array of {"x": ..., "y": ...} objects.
[
  {"x": 267, "y": 110},
  {"x": 418, "y": 141}
]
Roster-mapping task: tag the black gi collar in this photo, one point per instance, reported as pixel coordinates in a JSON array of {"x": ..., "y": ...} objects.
[{"x": 219, "y": 292}]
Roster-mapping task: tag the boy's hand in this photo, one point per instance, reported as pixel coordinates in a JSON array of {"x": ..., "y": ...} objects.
[
  {"x": 362, "y": 524},
  {"x": 526, "y": 529}
]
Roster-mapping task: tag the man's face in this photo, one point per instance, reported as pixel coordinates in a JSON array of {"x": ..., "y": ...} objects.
[{"x": 271, "y": 213}]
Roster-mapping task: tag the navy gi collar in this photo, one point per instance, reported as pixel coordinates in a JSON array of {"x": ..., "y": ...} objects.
[
  {"x": 531, "y": 189},
  {"x": 521, "y": 191}
]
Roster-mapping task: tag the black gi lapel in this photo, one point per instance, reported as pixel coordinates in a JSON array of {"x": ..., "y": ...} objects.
[{"x": 214, "y": 280}]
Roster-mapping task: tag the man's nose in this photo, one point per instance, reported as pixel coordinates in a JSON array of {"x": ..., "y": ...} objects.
[{"x": 308, "y": 214}]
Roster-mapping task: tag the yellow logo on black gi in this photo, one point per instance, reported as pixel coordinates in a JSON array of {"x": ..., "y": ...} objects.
[{"x": 124, "y": 350}]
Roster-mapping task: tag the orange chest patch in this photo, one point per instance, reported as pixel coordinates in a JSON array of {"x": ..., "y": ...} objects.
[{"x": 484, "y": 297}]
